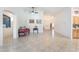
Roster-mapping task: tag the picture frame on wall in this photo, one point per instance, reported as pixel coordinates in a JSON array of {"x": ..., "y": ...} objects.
[
  {"x": 31, "y": 21},
  {"x": 38, "y": 21}
]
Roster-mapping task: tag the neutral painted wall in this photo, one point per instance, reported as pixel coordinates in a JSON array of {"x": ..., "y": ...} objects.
[
  {"x": 23, "y": 17},
  {"x": 63, "y": 22},
  {"x": 1, "y": 27},
  {"x": 34, "y": 16}
]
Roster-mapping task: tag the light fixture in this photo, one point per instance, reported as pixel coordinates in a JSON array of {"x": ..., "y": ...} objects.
[{"x": 34, "y": 10}]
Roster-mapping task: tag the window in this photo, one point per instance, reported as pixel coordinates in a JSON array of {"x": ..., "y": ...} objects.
[{"x": 6, "y": 21}]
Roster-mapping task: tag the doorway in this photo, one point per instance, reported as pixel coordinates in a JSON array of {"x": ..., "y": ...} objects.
[
  {"x": 7, "y": 27},
  {"x": 50, "y": 26},
  {"x": 7, "y": 30}
]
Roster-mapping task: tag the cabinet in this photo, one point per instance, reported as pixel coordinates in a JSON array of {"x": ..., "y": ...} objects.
[
  {"x": 75, "y": 27},
  {"x": 76, "y": 33},
  {"x": 75, "y": 19}
]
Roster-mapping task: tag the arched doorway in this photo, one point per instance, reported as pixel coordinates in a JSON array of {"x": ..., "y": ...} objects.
[{"x": 9, "y": 27}]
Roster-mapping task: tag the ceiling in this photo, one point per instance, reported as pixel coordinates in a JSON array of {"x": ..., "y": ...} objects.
[
  {"x": 52, "y": 10},
  {"x": 49, "y": 10},
  {"x": 46, "y": 10}
]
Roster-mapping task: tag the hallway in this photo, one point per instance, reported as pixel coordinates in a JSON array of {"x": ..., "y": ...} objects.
[
  {"x": 40, "y": 19},
  {"x": 39, "y": 43}
]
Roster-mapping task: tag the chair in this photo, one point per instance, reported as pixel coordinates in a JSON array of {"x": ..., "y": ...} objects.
[
  {"x": 23, "y": 31},
  {"x": 35, "y": 29}
]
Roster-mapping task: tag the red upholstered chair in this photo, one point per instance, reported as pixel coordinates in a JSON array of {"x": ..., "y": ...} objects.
[
  {"x": 27, "y": 30},
  {"x": 23, "y": 31}
]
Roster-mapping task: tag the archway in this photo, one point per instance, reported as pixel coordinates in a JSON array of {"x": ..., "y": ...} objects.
[{"x": 9, "y": 27}]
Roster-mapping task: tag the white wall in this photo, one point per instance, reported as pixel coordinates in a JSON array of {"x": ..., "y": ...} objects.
[
  {"x": 1, "y": 27},
  {"x": 38, "y": 16},
  {"x": 63, "y": 22},
  {"x": 23, "y": 17}
]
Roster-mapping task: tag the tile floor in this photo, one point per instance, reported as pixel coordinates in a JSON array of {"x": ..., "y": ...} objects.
[{"x": 43, "y": 42}]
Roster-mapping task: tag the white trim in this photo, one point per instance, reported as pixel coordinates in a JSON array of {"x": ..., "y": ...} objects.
[{"x": 71, "y": 22}]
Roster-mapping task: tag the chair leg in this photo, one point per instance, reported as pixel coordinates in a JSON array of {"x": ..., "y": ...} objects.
[
  {"x": 29, "y": 32},
  {"x": 33, "y": 31},
  {"x": 37, "y": 31}
]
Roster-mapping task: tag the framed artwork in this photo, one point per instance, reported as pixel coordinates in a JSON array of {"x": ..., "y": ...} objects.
[
  {"x": 31, "y": 21},
  {"x": 38, "y": 21}
]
